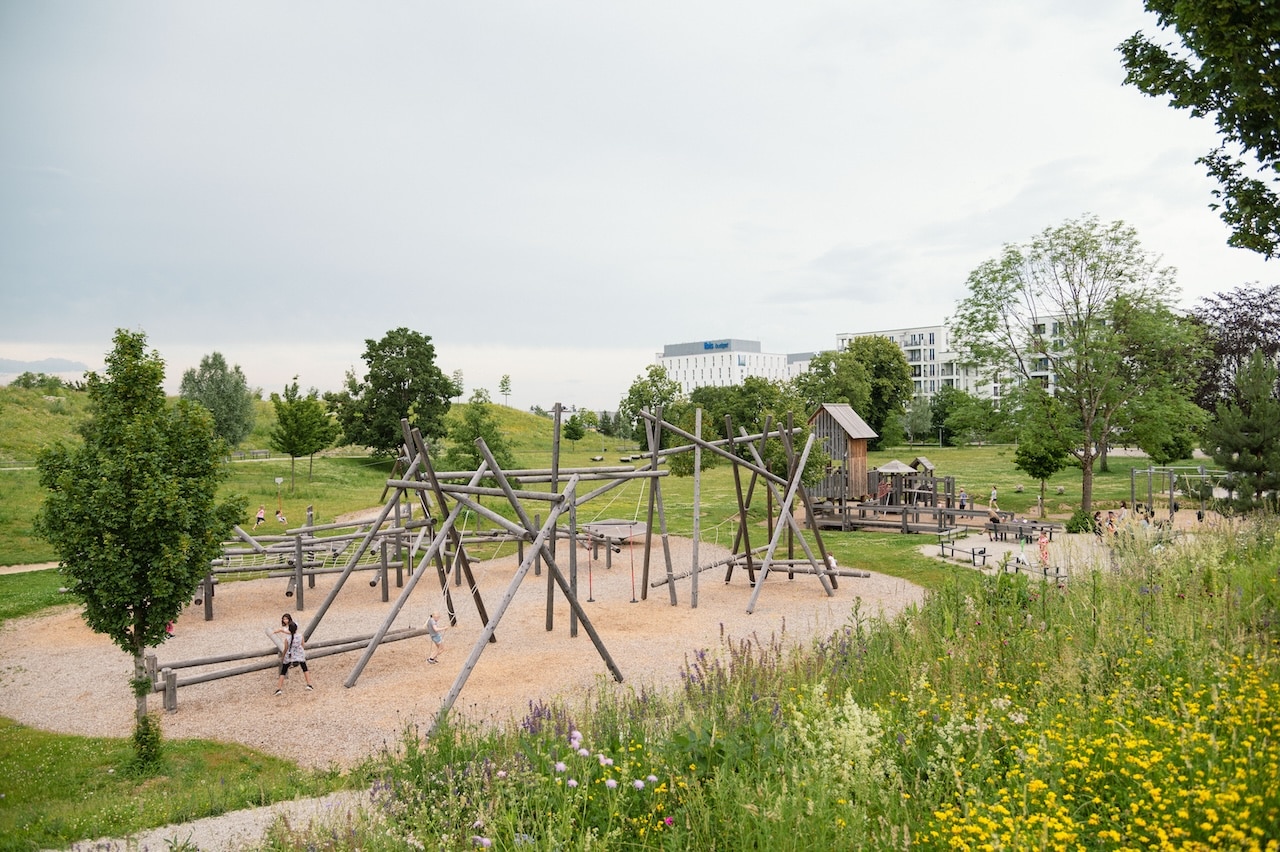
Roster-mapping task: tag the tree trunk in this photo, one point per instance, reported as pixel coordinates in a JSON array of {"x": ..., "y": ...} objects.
[
  {"x": 1086, "y": 482},
  {"x": 140, "y": 672},
  {"x": 1103, "y": 446},
  {"x": 1042, "y": 514},
  {"x": 293, "y": 467}
]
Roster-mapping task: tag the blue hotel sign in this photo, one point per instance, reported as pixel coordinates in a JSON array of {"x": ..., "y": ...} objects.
[{"x": 716, "y": 344}]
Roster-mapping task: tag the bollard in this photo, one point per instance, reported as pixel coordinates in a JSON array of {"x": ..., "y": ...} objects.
[{"x": 170, "y": 690}]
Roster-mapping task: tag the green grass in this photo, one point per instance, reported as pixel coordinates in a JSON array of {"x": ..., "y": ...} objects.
[
  {"x": 29, "y": 592},
  {"x": 56, "y": 789},
  {"x": 1136, "y": 708}
]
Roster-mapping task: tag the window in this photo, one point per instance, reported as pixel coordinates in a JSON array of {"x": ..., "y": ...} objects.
[{"x": 931, "y": 338}]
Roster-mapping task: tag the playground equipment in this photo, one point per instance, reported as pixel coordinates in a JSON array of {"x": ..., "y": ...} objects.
[{"x": 419, "y": 526}]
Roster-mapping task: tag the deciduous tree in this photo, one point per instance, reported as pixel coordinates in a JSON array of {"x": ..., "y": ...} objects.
[
  {"x": 504, "y": 387},
  {"x": 837, "y": 377},
  {"x": 889, "y": 376},
  {"x": 1225, "y": 68},
  {"x": 477, "y": 421},
  {"x": 1236, "y": 324},
  {"x": 225, "y": 392},
  {"x": 1040, "y": 456},
  {"x": 1081, "y": 309},
  {"x": 402, "y": 381},
  {"x": 133, "y": 512},
  {"x": 303, "y": 426},
  {"x": 648, "y": 392}
]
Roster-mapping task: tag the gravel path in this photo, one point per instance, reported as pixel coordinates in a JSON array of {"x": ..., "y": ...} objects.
[{"x": 58, "y": 675}]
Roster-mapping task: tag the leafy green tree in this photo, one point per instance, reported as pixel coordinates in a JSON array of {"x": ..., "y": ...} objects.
[
  {"x": 1083, "y": 310},
  {"x": 457, "y": 385},
  {"x": 890, "y": 378},
  {"x": 477, "y": 421},
  {"x": 572, "y": 430},
  {"x": 303, "y": 427},
  {"x": 1235, "y": 325},
  {"x": 1040, "y": 457},
  {"x": 403, "y": 381},
  {"x": 835, "y": 377},
  {"x": 133, "y": 512},
  {"x": 1225, "y": 67},
  {"x": 504, "y": 387},
  {"x": 226, "y": 394},
  {"x": 649, "y": 391},
  {"x": 973, "y": 420},
  {"x": 1244, "y": 437},
  {"x": 918, "y": 421},
  {"x": 944, "y": 402},
  {"x": 42, "y": 382}
]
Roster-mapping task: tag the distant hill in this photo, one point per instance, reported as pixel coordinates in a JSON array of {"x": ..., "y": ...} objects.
[{"x": 61, "y": 367}]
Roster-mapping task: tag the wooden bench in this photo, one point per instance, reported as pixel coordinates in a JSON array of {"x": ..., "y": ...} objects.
[
  {"x": 259, "y": 454},
  {"x": 976, "y": 555},
  {"x": 1026, "y": 531}
]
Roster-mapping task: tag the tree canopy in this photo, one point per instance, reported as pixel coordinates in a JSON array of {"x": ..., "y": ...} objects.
[
  {"x": 835, "y": 377},
  {"x": 303, "y": 426},
  {"x": 889, "y": 376},
  {"x": 1225, "y": 67},
  {"x": 1081, "y": 310},
  {"x": 402, "y": 381},
  {"x": 648, "y": 392},
  {"x": 132, "y": 512},
  {"x": 1236, "y": 324},
  {"x": 225, "y": 392},
  {"x": 477, "y": 421}
]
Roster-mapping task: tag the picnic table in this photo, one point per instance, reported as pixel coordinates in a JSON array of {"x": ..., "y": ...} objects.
[{"x": 1027, "y": 531}]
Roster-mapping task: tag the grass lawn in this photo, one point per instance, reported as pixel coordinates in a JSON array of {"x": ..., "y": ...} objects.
[{"x": 56, "y": 789}]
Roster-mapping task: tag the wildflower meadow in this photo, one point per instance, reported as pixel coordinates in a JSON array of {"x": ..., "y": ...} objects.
[{"x": 1134, "y": 707}]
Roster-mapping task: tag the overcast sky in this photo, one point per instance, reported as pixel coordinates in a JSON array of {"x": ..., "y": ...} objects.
[{"x": 555, "y": 190}]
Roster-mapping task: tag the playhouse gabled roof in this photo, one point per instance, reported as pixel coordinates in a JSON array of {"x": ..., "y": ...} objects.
[{"x": 848, "y": 419}]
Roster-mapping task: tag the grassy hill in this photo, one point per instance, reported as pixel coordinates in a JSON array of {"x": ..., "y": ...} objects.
[{"x": 346, "y": 479}]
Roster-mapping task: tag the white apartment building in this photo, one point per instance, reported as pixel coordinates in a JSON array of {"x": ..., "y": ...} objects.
[
  {"x": 934, "y": 364},
  {"x": 725, "y": 362}
]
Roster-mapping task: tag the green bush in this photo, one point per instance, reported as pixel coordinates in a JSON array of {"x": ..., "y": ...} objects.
[{"x": 1081, "y": 521}]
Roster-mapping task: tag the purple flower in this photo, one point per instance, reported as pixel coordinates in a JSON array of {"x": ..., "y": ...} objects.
[
  {"x": 560, "y": 767},
  {"x": 669, "y": 821},
  {"x": 502, "y": 773},
  {"x": 610, "y": 783},
  {"x": 652, "y": 779},
  {"x": 582, "y": 752},
  {"x": 638, "y": 784},
  {"x": 571, "y": 783},
  {"x": 484, "y": 842}
]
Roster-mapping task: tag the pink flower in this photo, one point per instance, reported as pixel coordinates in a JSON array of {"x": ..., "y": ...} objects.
[
  {"x": 560, "y": 767},
  {"x": 611, "y": 784},
  {"x": 571, "y": 783},
  {"x": 638, "y": 784}
]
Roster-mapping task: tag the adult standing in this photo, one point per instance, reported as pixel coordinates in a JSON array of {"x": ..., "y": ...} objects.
[{"x": 994, "y": 494}]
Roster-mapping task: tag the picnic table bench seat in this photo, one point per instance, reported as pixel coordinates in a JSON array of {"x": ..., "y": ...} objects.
[
  {"x": 1027, "y": 531},
  {"x": 976, "y": 555}
]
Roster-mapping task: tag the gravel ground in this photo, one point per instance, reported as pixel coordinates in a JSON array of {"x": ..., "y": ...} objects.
[{"x": 56, "y": 674}]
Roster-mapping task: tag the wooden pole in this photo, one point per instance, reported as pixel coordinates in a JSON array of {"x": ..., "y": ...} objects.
[{"x": 697, "y": 504}]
